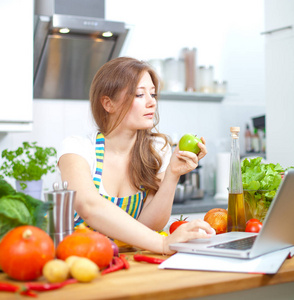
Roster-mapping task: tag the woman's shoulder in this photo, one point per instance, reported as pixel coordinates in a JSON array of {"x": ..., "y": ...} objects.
[
  {"x": 163, "y": 147},
  {"x": 85, "y": 139},
  {"x": 161, "y": 143},
  {"x": 82, "y": 145}
]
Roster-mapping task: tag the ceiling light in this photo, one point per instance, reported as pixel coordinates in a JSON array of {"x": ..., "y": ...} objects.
[
  {"x": 64, "y": 30},
  {"x": 107, "y": 34}
]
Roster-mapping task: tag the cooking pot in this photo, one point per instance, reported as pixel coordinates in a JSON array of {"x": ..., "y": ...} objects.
[
  {"x": 189, "y": 187},
  {"x": 193, "y": 179}
]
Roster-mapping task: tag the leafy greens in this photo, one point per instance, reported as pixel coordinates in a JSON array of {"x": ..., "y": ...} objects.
[
  {"x": 17, "y": 209},
  {"x": 260, "y": 183},
  {"x": 260, "y": 176}
]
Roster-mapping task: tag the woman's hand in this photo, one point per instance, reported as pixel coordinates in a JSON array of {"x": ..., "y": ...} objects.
[
  {"x": 183, "y": 162},
  {"x": 203, "y": 150},
  {"x": 195, "y": 229}
]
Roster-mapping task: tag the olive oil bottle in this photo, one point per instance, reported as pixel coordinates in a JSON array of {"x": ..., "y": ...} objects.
[{"x": 236, "y": 207}]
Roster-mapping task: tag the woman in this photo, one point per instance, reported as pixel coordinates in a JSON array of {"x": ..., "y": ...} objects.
[{"x": 130, "y": 165}]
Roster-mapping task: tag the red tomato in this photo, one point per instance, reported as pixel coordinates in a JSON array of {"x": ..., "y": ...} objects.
[
  {"x": 177, "y": 223},
  {"x": 253, "y": 225}
]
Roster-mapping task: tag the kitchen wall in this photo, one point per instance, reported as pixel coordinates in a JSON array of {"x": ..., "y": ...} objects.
[{"x": 226, "y": 34}]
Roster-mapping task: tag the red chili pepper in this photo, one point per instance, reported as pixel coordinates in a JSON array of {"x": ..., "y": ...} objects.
[
  {"x": 117, "y": 265},
  {"x": 125, "y": 262},
  {"x": 38, "y": 286},
  {"x": 8, "y": 287},
  {"x": 149, "y": 259},
  {"x": 28, "y": 293}
]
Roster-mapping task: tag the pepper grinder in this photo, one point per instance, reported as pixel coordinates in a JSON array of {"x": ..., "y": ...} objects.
[{"x": 61, "y": 217}]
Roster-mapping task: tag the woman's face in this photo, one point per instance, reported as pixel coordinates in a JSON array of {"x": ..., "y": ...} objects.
[{"x": 141, "y": 113}]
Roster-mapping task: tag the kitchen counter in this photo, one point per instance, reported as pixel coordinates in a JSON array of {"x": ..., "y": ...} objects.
[
  {"x": 146, "y": 281},
  {"x": 198, "y": 205}
]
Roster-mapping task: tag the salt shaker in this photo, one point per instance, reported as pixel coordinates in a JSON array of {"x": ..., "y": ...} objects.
[{"x": 61, "y": 217}]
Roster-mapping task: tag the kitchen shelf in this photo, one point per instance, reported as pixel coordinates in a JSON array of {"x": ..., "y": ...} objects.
[{"x": 191, "y": 96}]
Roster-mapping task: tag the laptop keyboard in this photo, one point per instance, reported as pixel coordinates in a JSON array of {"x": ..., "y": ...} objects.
[{"x": 242, "y": 244}]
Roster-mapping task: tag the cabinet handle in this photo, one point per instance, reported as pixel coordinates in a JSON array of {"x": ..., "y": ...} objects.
[
  {"x": 277, "y": 29},
  {"x": 15, "y": 122}
]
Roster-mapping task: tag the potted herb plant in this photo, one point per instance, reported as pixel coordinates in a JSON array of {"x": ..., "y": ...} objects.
[{"x": 27, "y": 165}]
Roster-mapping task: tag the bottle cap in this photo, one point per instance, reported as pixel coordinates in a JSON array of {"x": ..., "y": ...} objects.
[
  {"x": 235, "y": 132},
  {"x": 235, "y": 129}
]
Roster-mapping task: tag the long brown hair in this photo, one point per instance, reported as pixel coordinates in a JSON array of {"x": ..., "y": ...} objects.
[{"x": 120, "y": 78}]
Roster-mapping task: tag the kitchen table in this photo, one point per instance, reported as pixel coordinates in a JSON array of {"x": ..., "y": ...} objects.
[{"x": 146, "y": 281}]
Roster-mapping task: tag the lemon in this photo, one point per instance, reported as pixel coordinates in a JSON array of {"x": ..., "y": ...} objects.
[
  {"x": 84, "y": 270},
  {"x": 56, "y": 270},
  {"x": 163, "y": 233}
]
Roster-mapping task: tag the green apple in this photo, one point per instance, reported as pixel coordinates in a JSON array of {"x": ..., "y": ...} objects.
[{"x": 189, "y": 142}]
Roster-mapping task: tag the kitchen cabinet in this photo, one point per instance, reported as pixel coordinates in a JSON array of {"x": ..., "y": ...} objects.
[
  {"x": 16, "y": 60},
  {"x": 191, "y": 96},
  {"x": 278, "y": 14},
  {"x": 279, "y": 63}
]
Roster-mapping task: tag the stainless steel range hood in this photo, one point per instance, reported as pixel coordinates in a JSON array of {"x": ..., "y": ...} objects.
[{"x": 65, "y": 63}]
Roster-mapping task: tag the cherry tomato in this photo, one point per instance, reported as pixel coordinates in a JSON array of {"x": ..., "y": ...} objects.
[
  {"x": 253, "y": 225},
  {"x": 176, "y": 224}
]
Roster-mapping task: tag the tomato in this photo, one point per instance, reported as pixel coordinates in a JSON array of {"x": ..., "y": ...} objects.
[
  {"x": 24, "y": 251},
  {"x": 253, "y": 225},
  {"x": 176, "y": 224},
  {"x": 217, "y": 219},
  {"x": 189, "y": 142}
]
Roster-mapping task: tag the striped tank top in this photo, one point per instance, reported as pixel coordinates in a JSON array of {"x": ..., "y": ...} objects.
[{"x": 130, "y": 204}]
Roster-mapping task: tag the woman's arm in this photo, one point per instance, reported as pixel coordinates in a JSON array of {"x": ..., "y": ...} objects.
[
  {"x": 157, "y": 208},
  {"x": 109, "y": 219}
]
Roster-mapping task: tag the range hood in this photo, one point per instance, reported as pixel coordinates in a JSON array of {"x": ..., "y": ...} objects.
[{"x": 72, "y": 40}]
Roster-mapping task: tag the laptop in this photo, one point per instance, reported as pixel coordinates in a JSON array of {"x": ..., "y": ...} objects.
[{"x": 276, "y": 233}]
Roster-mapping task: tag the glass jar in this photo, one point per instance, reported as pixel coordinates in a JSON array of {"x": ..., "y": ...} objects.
[
  {"x": 220, "y": 87},
  {"x": 158, "y": 66},
  {"x": 174, "y": 75},
  {"x": 190, "y": 58},
  {"x": 257, "y": 203},
  {"x": 205, "y": 79}
]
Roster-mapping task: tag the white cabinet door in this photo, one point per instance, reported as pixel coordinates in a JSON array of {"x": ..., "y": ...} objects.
[
  {"x": 16, "y": 61},
  {"x": 279, "y": 62},
  {"x": 278, "y": 14},
  {"x": 280, "y": 98}
]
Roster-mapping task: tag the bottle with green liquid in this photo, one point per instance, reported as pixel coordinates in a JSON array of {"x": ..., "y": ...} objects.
[{"x": 236, "y": 207}]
